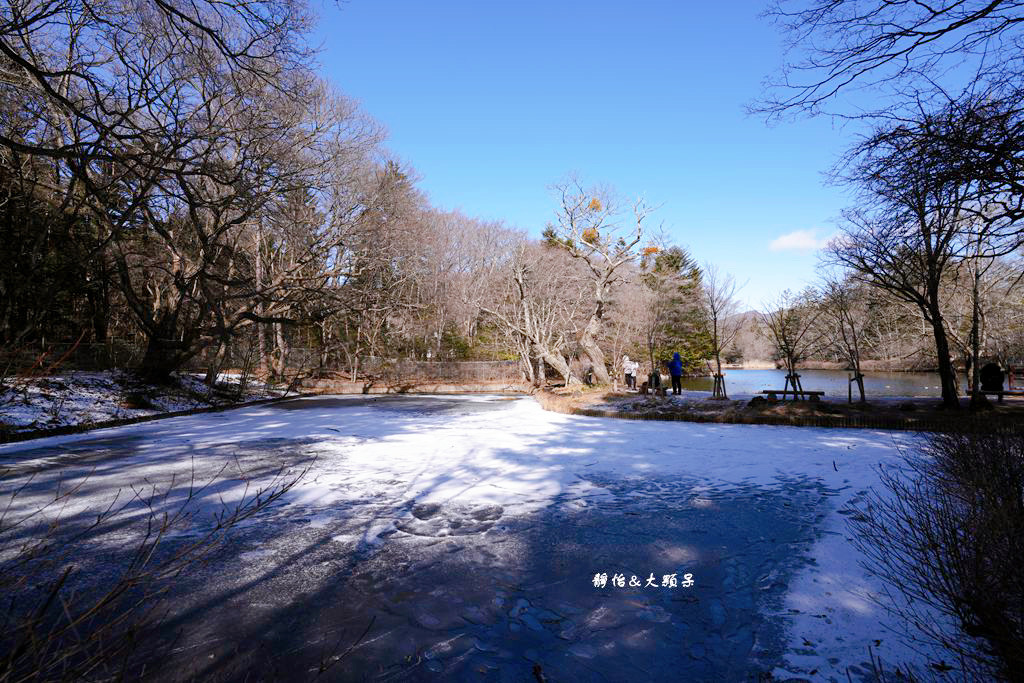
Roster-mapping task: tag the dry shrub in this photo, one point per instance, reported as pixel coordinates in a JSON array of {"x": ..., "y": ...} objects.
[
  {"x": 554, "y": 402},
  {"x": 948, "y": 538},
  {"x": 56, "y": 627}
]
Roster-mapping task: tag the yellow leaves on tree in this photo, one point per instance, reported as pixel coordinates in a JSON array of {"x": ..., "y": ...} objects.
[
  {"x": 594, "y": 205},
  {"x": 649, "y": 251}
]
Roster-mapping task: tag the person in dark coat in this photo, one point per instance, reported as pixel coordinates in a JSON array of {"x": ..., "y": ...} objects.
[{"x": 675, "y": 368}]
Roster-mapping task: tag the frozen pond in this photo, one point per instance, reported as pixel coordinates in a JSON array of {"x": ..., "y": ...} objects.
[{"x": 460, "y": 537}]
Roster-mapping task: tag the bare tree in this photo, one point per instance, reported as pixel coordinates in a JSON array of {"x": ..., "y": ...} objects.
[
  {"x": 120, "y": 94},
  {"x": 104, "y": 81},
  {"x": 216, "y": 256},
  {"x": 913, "y": 232},
  {"x": 653, "y": 307},
  {"x": 910, "y": 268},
  {"x": 752, "y": 343},
  {"x": 592, "y": 227},
  {"x": 721, "y": 307},
  {"x": 791, "y": 322},
  {"x": 982, "y": 305},
  {"x": 843, "y": 318},
  {"x": 626, "y": 321},
  {"x": 1004, "y": 313},
  {"x": 838, "y": 46},
  {"x": 896, "y": 333},
  {"x": 952, "y": 70},
  {"x": 455, "y": 262},
  {"x": 176, "y": 132},
  {"x": 541, "y": 305}
]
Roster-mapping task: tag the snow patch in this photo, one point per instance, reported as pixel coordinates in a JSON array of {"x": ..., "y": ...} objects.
[{"x": 75, "y": 398}]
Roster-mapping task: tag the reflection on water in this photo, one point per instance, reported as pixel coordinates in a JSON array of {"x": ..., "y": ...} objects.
[{"x": 832, "y": 382}]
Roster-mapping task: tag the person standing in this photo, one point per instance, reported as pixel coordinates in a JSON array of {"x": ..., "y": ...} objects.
[
  {"x": 675, "y": 368},
  {"x": 629, "y": 368}
]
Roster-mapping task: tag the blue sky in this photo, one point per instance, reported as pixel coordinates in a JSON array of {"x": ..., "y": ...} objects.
[{"x": 493, "y": 102}]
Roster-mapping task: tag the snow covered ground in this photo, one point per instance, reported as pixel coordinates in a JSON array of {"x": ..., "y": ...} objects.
[
  {"x": 463, "y": 535},
  {"x": 81, "y": 397}
]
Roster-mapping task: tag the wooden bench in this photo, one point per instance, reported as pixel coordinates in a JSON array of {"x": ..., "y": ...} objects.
[
  {"x": 772, "y": 394},
  {"x": 1004, "y": 392}
]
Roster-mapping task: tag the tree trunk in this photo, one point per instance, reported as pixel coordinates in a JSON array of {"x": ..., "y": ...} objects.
[
  {"x": 216, "y": 364},
  {"x": 856, "y": 363},
  {"x": 527, "y": 363},
  {"x": 588, "y": 340},
  {"x": 261, "y": 332},
  {"x": 719, "y": 387},
  {"x": 977, "y": 398},
  {"x": 163, "y": 352},
  {"x": 555, "y": 361},
  {"x": 325, "y": 340},
  {"x": 280, "y": 355},
  {"x": 650, "y": 354},
  {"x": 947, "y": 373},
  {"x": 99, "y": 305},
  {"x": 526, "y": 359},
  {"x": 720, "y": 391}
]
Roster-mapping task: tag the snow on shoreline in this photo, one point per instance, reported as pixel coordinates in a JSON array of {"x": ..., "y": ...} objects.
[{"x": 75, "y": 398}]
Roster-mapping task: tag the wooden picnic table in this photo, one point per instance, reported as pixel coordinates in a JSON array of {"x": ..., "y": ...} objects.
[{"x": 773, "y": 393}]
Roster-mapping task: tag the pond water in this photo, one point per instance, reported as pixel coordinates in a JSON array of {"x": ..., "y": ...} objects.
[{"x": 832, "y": 382}]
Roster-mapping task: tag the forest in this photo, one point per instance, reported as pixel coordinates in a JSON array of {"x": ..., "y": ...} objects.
[{"x": 182, "y": 190}]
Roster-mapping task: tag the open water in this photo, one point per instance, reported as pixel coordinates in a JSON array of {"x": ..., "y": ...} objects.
[{"x": 833, "y": 382}]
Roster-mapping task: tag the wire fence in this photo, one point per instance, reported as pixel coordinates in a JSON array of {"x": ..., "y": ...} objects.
[
  {"x": 445, "y": 371},
  {"x": 70, "y": 356},
  {"x": 299, "y": 361}
]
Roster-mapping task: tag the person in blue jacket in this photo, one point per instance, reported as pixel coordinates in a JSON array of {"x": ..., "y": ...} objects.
[{"x": 675, "y": 368}]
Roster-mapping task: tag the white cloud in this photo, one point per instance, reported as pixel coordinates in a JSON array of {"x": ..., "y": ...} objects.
[{"x": 798, "y": 240}]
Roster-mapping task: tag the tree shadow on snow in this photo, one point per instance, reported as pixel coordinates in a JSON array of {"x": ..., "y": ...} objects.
[{"x": 426, "y": 578}]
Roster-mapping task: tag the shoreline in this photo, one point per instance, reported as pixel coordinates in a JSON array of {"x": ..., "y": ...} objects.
[
  {"x": 16, "y": 434},
  {"x": 882, "y": 413}
]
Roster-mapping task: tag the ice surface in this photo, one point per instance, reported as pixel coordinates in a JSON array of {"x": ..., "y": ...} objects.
[{"x": 482, "y": 519}]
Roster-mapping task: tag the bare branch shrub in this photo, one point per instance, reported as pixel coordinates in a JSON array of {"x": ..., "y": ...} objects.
[
  {"x": 947, "y": 538},
  {"x": 55, "y": 623}
]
